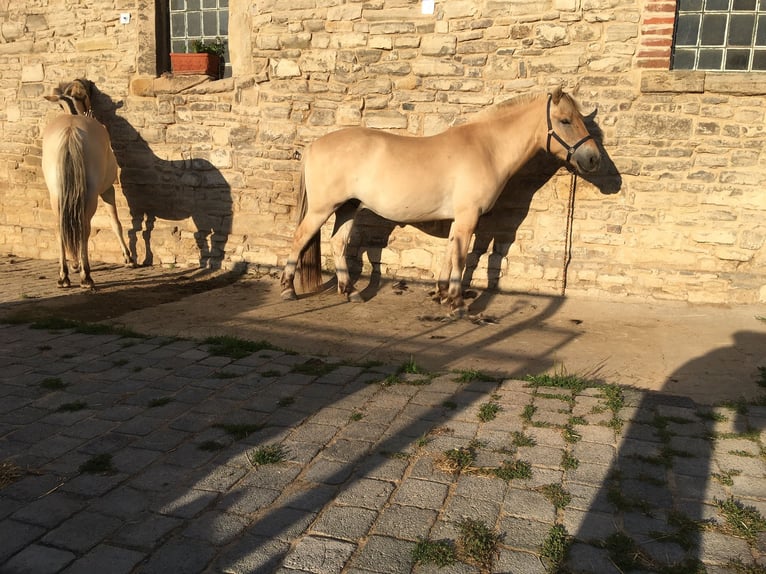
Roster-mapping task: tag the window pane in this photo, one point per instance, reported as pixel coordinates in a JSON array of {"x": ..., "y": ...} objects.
[
  {"x": 713, "y": 29},
  {"x": 741, "y": 29},
  {"x": 177, "y": 25},
  {"x": 716, "y": 4},
  {"x": 210, "y": 23},
  {"x": 759, "y": 60},
  {"x": 683, "y": 60},
  {"x": 177, "y": 4},
  {"x": 194, "y": 24},
  {"x": 737, "y": 59},
  {"x": 209, "y": 4},
  {"x": 192, "y": 5},
  {"x": 689, "y": 5},
  {"x": 710, "y": 60},
  {"x": 743, "y": 5},
  {"x": 688, "y": 29},
  {"x": 223, "y": 22},
  {"x": 760, "y": 34}
]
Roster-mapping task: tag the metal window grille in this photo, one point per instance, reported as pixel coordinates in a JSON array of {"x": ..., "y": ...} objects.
[
  {"x": 722, "y": 35},
  {"x": 206, "y": 20}
]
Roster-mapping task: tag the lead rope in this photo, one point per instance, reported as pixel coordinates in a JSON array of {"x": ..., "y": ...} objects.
[{"x": 568, "y": 236}]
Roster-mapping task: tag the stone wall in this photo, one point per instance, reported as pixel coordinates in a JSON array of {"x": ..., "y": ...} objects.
[{"x": 209, "y": 169}]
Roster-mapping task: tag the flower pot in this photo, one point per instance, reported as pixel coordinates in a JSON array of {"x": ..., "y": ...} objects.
[{"x": 188, "y": 64}]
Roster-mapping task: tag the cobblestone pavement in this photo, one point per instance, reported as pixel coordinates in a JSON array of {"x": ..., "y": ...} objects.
[{"x": 124, "y": 454}]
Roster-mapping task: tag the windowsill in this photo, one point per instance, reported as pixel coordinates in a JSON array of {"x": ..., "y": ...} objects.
[
  {"x": 698, "y": 82},
  {"x": 170, "y": 84}
]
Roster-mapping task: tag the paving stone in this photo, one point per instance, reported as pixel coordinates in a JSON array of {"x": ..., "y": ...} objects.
[
  {"x": 216, "y": 527},
  {"x": 383, "y": 554},
  {"x": 39, "y": 559},
  {"x": 319, "y": 555},
  {"x": 344, "y": 522},
  {"x": 82, "y": 532},
  {"x": 366, "y": 493},
  {"x": 50, "y": 510},
  {"x": 181, "y": 556},
  {"x": 119, "y": 561},
  {"x": 145, "y": 530},
  {"x": 406, "y": 522}
]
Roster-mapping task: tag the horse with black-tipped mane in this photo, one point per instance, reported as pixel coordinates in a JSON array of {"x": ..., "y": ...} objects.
[
  {"x": 79, "y": 166},
  {"x": 455, "y": 175}
]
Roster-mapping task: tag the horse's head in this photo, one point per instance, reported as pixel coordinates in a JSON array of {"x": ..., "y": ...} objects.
[
  {"x": 73, "y": 97},
  {"x": 568, "y": 138}
]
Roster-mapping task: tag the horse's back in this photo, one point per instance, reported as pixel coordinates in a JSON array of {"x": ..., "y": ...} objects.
[{"x": 99, "y": 159}]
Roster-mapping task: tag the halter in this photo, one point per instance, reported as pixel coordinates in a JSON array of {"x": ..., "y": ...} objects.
[
  {"x": 70, "y": 102},
  {"x": 552, "y": 134}
]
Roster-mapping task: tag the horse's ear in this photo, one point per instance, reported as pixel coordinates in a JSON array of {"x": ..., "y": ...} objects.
[
  {"x": 556, "y": 95},
  {"x": 52, "y": 97}
]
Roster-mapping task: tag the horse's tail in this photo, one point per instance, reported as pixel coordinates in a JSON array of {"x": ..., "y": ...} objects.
[
  {"x": 74, "y": 187},
  {"x": 310, "y": 260}
]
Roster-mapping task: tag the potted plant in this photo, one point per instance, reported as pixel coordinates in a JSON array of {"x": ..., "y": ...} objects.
[{"x": 207, "y": 58}]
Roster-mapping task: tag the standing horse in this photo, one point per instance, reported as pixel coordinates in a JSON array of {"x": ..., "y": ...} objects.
[
  {"x": 78, "y": 167},
  {"x": 455, "y": 175}
]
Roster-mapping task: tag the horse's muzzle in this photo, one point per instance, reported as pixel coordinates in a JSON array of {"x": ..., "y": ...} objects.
[{"x": 587, "y": 159}]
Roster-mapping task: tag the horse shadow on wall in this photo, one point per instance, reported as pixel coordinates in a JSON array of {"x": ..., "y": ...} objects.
[
  {"x": 497, "y": 229},
  {"x": 171, "y": 190}
]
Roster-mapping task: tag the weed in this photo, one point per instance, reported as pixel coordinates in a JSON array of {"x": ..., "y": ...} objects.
[
  {"x": 528, "y": 413},
  {"x": 685, "y": 534},
  {"x": 211, "y": 445},
  {"x": 560, "y": 380},
  {"x": 739, "y": 567},
  {"x": 521, "y": 439},
  {"x": 120, "y": 362},
  {"x": 470, "y": 375},
  {"x": 357, "y": 416},
  {"x": 570, "y": 435},
  {"x": 44, "y": 348},
  {"x": 712, "y": 416},
  {"x": 285, "y": 401},
  {"x": 439, "y": 552},
  {"x": 456, "y": 459},
  {"x": 742, "y": 453},
  {"x": 514, "y": 469},
  {"x": 160, "y": 402},
  {"x": 488, "y": 411},
  {"x": 270, "y": 373},
  {"x": 99, "y": 464},
  {"x": 10, "y": 472},
  {"x": 53, "y": 384},
  {"x": 238, "y": 431},
  {"x": 314, "y": 367},
  {"x": 422, "y": 441},
  {"x": 398, "y": 455},
  {"x": 411, "y": 367},
  {"x": 235, "y": 348},
  {"x": 59, "y": 324},
  {"x": 577, "y": 420},
  {"x": 269, "y": 454},
  {"x": 477, "y": 542},
  {"x": 556, "y": 494},
  {"x": 224, "y": 375},
  {"x": 623, "y": 551},
  {"x": 451, "y": 405},
  {"x": 761, "y": 382},
  {"x": 745, "y": 521},
  {"x": 72, "y": 407},
  {"x": 555, "y": 547},
  {"x": 726, "y": 477},
  {"x": 569, "y": 462}
]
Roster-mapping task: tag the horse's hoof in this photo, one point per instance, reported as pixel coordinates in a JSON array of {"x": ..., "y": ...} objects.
[
  {"x": 131, "y": 264},
  {"x": 289, "y": 295},
  {"x": 89, "y": 285},
  {"x": 355, "y": 297},
  {"x": 459, "y": 312},
  {"x": 64, "y": 283}
]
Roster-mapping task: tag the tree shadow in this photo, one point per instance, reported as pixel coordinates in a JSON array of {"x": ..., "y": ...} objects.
[
  {"x": 172, "y": 190},
  {"x": 659, "y": 500}
]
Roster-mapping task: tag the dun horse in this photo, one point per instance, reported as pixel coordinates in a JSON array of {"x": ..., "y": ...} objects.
[
  {"x": 456, "y": 175},
  {"x": 78, "y": 167}
]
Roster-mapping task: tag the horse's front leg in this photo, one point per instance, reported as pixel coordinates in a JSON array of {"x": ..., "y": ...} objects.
[
  {"x": 442, "y": 283},
  {"x": 460, "y": 239},
  {"x": 114, "y": 220},
  {"x": 344, "y": 220}
]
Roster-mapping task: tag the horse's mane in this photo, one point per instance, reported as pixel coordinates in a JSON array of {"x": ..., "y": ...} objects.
[{"x": 503, "y": 107}]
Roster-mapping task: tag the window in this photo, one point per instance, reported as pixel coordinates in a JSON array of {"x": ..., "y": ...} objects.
[
  {"x": 722, "y": 35},
  {"x": 181, "y": 22}
]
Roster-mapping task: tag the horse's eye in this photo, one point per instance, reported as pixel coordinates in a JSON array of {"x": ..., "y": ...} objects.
[{"x": 566, "y": 121}]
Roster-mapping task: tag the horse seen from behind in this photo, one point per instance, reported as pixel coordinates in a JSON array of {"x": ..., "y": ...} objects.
[
  {"x": 79, "y": 166},
  {"x": 456, "y": 175}
]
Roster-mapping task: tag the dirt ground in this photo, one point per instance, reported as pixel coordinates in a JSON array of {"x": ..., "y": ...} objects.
[{"x": 708, "y": 353}]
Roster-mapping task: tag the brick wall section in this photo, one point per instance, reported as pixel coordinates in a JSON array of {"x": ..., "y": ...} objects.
[{"x": 209, "y": 171}]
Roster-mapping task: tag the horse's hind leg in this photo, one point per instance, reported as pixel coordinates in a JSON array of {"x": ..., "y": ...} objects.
[
  {"x": 308, "y": 227},
  {"x": 442, "y": 283},
  {"x": 86, "y": 282},
  {"x": 344, "y": 221},
  {"x": 460, "y": 238},
  {"x": 114, "y": 220},
  {"x": 63, "y": 268}
]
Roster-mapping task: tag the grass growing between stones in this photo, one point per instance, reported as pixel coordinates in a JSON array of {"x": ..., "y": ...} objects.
[
  {"x": 99, "y": 464},
  {"x": 236, "y": 348},
  {"x": 471, "y": 375},
  {"x": 741, "y": 520},
  {"x": 10, "y": 472},
  {"x": 160, "y": 402},
  {"x": 440, "y": 552},
  {"x": 53, "y": 384},
  {"x": 60, "y": 324},
  {"x": 238, "y": 431},
  {"x": 488, "y": 411},
  {"x": 269, "y": 454},
  {"x": 556, "y": 494},
  {"x": 314, "y": 367},
  {"x": 555, "y": 547},
  {"x": 72, "y": 407},
  {"x": 477, "y": 542}
]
